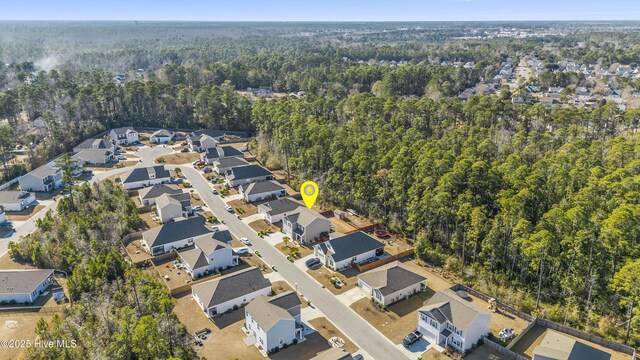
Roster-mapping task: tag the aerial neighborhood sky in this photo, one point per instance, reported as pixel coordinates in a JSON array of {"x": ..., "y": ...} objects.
[{"x": 321, "y": 10}]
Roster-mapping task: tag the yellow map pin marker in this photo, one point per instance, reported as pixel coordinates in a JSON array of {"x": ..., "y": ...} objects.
[{"x": 309, "y": 191}]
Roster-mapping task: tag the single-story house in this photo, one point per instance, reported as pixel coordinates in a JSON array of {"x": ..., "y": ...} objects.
[
  {"x": 124, "y": 136},
  {"x": 209, "y": 254},
  {"x": 391, "y": 283},
  {"x": 240, "y": 175},
  {"x": 230, "y": 291},
  {"x": 273, "y": 211},
  {"x": 46, "y": 178},
  {"x": 555, "y": 346},
  {"x": 202, "y": 140},
  {"x": 24, "y": 286},
  {"x": 222, "y": 165},
  {"x": 149, "y": 195},
  {"x": 448, "y": 320},
  {"x": 304, "y": 225},
  {"x": 92, "y": 156},
  {"x": 162, "y": 136},
  {"x": 141, "y": 177},
  {"x": 219, "y": 152},
  {"x": 174, "y": 235},
  {"x": 274, "y": 322},
  {"x": 262, "y": 190},
  {"x": 173, "y": 207},
  {"x": 339, "y": 253},
  {"x": 16, "y": 200},
  {"x": 94, "y": 144}
]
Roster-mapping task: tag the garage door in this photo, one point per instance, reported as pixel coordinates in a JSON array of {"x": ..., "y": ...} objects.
[{"x": 364, "y": 286}]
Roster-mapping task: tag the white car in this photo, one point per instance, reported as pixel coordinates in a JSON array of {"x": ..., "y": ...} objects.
[
  {"x": 228, "y": 208},
  {"x": 121, "y": 157},
  {"x": 245, "y": 241},
  {"x": 197, "y": 208},
  {"x": 242, "y": 251}
]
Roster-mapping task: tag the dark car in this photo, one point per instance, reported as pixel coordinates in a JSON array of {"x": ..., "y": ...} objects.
[
  {"x": 313, "y": 263},
  {"x": 412, "y": 338},
  {"x": 184, "y": 150}
]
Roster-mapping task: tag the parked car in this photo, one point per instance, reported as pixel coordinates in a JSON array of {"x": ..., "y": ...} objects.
[
  {"x": 121, "y": 157},
  {"x": 412, "y": 338},
  {"x": 245, "y": 241},
  {"x": 228, "y": 208},
  {"x": 214, "y": 192},
  {"x": 184, "y": 143},
  {"x": 506, "y": 333},
  {"x": 178, "y": 180},
  {"x": 207, "y": 170},
  {"x": 313, "y": 263},
  {"x": 184, "y": 150},
  {"x": 242, "y": 251},
  {"x": 197, "y": 208}
]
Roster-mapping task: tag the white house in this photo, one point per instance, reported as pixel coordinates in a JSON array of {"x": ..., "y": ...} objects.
[
  {"x": 247, "y": 174},
  {"x": 273, "y": 211},
  {"x": 24, "y": 286},
  {"x": 210, "y": 254},
  {"x": 174, "y": 235},
  {"x": 448, "y": 320},
  {"x": 162, "y": 136},
  {"x": 222, "y": 165},
  {"x": 94, "y": 144},
  {"x": 262, "y": 190},
  {"x": 16, "y": 200},
  {"x": 172, "y": 207},
  {"x": 230, "y": 291},
  {"x": 46, "y": 178},
  {"x": 202, "y": 140},
  {"x": 220, "y": 152},
  {"x": 305, "y": 226},
  {"x": 150, "y": 194},
  {"x": 274, "y": 322},
  {"x": 341, "y": 252},
  {"x": 141, "y": 177},
  {"x": 92, "y": 156},
  {"x": 124, "y": 136},
  {"x": 391, "y": 283}
]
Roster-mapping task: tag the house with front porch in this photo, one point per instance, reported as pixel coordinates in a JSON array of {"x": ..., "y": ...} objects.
[
  {"x": 273, "y": 211},
  {"x": 208, "y": 255},
  {"x": 124, "y": 136},
  {"x": 305, "y": 226},
  {"x": 448, "y": 320},
  {"x": 274, "y": 322},
  {"x": 341, "y": 252}
]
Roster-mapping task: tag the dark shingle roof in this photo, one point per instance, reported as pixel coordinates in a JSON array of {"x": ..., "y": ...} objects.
[
  {"x": 447, "y": 305},
  {"x": 230, "y": 162},
  {"x": 217, "y": 133},
  {"x": 231, "y": 286},
  {"x": 155, "y": 191},
  {"x": 162, "y": 133},
  {"x": 280, "y": 206},
  {"x": 94, "y": 144},
  {"x": 174, "y": 231},
  {"x": 261, "y": 187},
  {"x": 142, "y": 174},
  {"x": 222, "y": 151},
  {"x": 348, "y": 246},
  {"x": 223, "y": 235},
  {"x": 247, "y": 172},
  {"x": 391, "y": 279}
]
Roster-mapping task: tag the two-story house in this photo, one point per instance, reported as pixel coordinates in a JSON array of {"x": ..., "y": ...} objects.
[
  {"x": 274, "y": 322},
  {"x": 173, "y": 207},
  {"x": 209, "y": 254},
  {"x": 305, "y": 226},
  {"x": 141, "y": 177},
  {"x": 241, "y": 175},
  {"x": 174, "y": 235},
  {"x": 341, "y": 252},
  {"x": 273, "y": 211},
  {"x": 447, "y": 320},
  {"x": 46, "y": 178},
  {"x": 124, "y": 136},
  {"x": 220, "y": 152}
]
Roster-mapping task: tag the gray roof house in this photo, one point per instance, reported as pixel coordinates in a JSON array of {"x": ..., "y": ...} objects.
[
  {"x": 92, "y": 156},
  {"x": 273, "y": 211},
  {"x": 219, "y": 152},
  {"x": 24, "y": 286},
  {"x": 124, "y": 135},
  {"x": 391, "y": 283},
  {"x": 162, "y": 136},
  {"x": 202, "y": 140},
  {"x": 339, "y": 253},
  {"x": 208, "y": 255},
  {"x": 448, "y": 320},
  {"x": 304, "y": 225},
  {"x": 274, "y": 322},
  {"x": 247, "y": 174},
  {"x": 262, "y": 190},
  {"x": 16, "y": 200},
  {"x": 555, "y": 346},
  {"x": 149, "y": 195},
  {"x": 47, "y": 177},
  {"x": 94, "y": 144},
  {"x": 170, "y": 207},
  {"x": 230, "y": 291},
  {"x": 141, "y": 177},
  {"x": 222, "y": 165},
  {"x": 174, "y": 235}
]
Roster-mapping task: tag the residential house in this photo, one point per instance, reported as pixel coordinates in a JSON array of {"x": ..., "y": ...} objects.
[
  {"x": 262, "y": 91},
  {"x": 339, "y": 253},
  {"x": 147, "y": 176},
  {"x": 219, "y": 152},
  {"x": 274, "y": 322},
  {"x": 448, "y": 320},
  {"x": 305, "y": 226},
  {"x": 208, "y": 255},
  {"x": 46, "y": 178},
  {"x": 222, "y": 165},
  {"x": 262, "y": 190},
  {"x": 555, "y": 346},
  {"x": 240, "y": 175},
  {"x": 16, "y": 200},
  {"x": 391, "y": 283},
  {"x": 92, "y": 156},
  {"x": 273, "y": 211},
  {"x": 124, "y": 136},
  {"x": 583, "y": 94},
  {"x": 174, "y": 235},
  {"x": 94, "y": 144},
  {"x": 162, "y": 136},
  {"x": 202, "y": 140},
  {"x": 24, "y": 286},
  {"x": 230, "y": 291},
  {"x": 150, "y": 194},
  {"x": 173, "y": 207}
]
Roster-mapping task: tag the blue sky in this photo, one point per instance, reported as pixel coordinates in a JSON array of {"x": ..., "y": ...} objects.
[{"x": 321, "y": 10}]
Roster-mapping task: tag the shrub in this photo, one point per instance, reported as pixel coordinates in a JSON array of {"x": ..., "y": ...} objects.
[{"x": 160, "y": 159}]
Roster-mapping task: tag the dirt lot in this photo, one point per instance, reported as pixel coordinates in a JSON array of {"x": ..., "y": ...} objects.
[
  {"x": 484, "y": 353},
  {"x": 499, "y": 320},
  {"x": 340, "y": 225},
  {"x": 303, "y": 250},
  {"x": 24, "y": 330},
  {"x": 196, "y": 200},
  {"x": 253, "y": 260},
  {"x": 327, "y": 331},
  {"x": 398, "y": 320},
  {"x": 6, "y": 262},
  {"x": 243, "y": 209},
  {"x": 148, "y": 222},
  {"x": 263, "y": 225},
  {"x": 180, "y": 158},
  {"x": 433, "y": 354},
  {"x": 136, "y": 252},
  {"x": 177, "y": 277},
  {"x": 348, "y": 277},
  {"x": 533, "y": 338},
  {"x": 25, "y": 214}
]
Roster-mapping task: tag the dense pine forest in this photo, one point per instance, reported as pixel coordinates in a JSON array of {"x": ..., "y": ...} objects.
[{"x": 536, "y": 205}]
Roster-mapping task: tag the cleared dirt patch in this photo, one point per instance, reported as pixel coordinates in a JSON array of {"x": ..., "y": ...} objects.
[
  {"x": 327, "y": 331},
  {"x": 6, "y": 262},
  {"x": 348, "y": 277},
  {"x": 24, "y": 329},
  {"x": 148, "y": 222},
  {"x": 179, "y": 158},
  {"x": 25, "y": 214},
  {"x": 242, "y": 208},
  {"x": 136, "y": 251},
  {"x": 302, "y": 250},
  {"x": 263, "y": 225}
]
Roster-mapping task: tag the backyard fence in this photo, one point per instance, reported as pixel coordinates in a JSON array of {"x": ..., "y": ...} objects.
[
  {"x": 383, "y": 261},
  {"x": 9, "y": 183},
  {"x": 187, "y": 287},
  {"x": 29, "y": 310},
  {"x": 502, "y": 350}
]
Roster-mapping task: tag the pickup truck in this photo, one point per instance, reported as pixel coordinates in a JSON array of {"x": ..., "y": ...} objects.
[{"x": 412, "y": 338}]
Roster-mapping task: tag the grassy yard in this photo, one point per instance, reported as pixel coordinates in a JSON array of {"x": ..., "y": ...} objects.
[
  {"x": 348, "y": 277},
  {"x": 327, "y": 331},
  {"x": 179, "y": 158},
  {"x": 302, "y": 250},
  {"x": 263, "y": 225},
  {"x": 23, "y": 330},
  {"x": 25, "y": 214},
  {"x": 242, "y": 208}
]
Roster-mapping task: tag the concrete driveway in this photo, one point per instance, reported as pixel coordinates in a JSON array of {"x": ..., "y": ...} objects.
[{"x": 352, "y": 296}]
